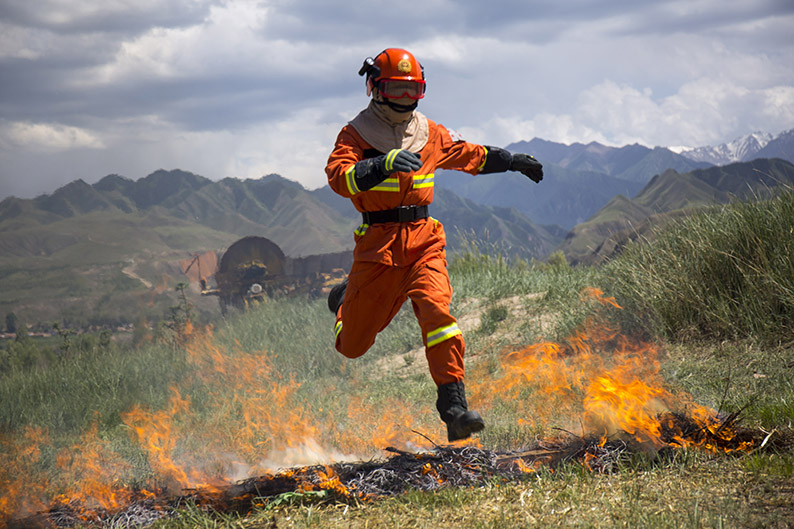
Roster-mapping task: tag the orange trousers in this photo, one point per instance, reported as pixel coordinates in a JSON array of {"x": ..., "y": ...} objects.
[{"x": 375, "y": 292}]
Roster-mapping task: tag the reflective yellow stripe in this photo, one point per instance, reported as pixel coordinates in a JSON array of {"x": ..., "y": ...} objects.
[
  {"x": 390, "y": 184},
  {"x": 338, "y": 328},
  {"x": 441, "y": 334},
  {"x": 361, "y": 230},
  {"x": 485, "y": 158},
  {"x": 350, "y": 178},
  {"x": 423, "y": 180},
  {"x": 389, "y": 165}
]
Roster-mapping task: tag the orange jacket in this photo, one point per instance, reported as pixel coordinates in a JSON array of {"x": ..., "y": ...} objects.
[{"x": 391, "y": 243}]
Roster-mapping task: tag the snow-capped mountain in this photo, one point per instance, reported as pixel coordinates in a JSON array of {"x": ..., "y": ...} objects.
[
  {"x": 781, "y": 147},
  {"x": 739, "y": 150}
]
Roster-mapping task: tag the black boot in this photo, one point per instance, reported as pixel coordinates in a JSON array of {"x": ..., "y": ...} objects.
[
  {"x": 336, "y": 296},
  {"x": 451, "y": 404}
]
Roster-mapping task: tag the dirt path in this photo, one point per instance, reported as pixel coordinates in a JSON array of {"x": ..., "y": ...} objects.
[{"x": 130, "y": 272}]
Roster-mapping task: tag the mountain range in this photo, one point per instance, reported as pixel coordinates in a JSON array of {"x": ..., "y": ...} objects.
[
  {"x": 98, "y": 252},
  {"x": 746, "y": 148}
]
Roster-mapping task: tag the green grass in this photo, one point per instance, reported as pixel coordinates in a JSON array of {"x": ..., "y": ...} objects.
[
  {"x": 737, "y": 376},
  {"x": 728, "y": 274},
  {"x": 69, "y": 393},
  {"x": 244, "y": 391}
]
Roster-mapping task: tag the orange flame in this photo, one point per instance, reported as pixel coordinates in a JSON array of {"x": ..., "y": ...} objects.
[
  {"x": 155, "y": 433},
  {"x": 611, "y": 383},
  {"x": 327, "y": 480},
  {"x": 92, "y": 471},
  {"x": 20, "y": 492}
]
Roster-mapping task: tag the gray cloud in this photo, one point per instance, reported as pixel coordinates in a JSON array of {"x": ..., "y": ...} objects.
[{"x": 114, "y": 16}]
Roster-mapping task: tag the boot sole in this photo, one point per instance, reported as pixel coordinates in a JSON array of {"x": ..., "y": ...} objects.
[{"x": 472, "y": 423}]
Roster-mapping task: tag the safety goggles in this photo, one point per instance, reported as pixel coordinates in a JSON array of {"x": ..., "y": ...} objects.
[{"x": 397, "y": 89}]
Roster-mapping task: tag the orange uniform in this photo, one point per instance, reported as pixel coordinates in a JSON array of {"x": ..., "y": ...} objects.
[{"x": 394, "y": 261}]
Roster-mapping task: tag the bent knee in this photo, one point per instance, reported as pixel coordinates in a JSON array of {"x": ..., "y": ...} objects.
[
  {"x": 350, "y": 351},
  {"x": 349, "y": 345}
]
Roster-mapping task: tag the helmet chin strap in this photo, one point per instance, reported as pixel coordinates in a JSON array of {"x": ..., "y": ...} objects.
[{"x": 396, "y": 107}]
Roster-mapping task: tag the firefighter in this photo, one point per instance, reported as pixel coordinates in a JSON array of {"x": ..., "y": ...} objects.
[{"x": 384, "y": 161}]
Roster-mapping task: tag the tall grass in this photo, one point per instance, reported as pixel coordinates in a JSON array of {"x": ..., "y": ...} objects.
[
  {"x": 724, "y": 274},
  {"x": 69, "y": 393}
]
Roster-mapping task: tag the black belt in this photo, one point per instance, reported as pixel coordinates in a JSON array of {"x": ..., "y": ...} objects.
[{"x": 401, "y": 214}]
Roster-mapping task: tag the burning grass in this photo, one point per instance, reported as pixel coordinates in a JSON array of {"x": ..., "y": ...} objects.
[{"x": 235, "y": 422}]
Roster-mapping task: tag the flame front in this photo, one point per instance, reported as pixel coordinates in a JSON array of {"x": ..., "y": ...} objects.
[{"x": 601, "y": 382}]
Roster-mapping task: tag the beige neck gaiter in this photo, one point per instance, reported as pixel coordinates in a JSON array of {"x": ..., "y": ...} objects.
[{"x": 386, "y": 129}]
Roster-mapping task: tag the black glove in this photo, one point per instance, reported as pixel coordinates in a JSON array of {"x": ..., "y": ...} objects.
[
  {"x": 373, "y": 171},
  {"x": 528, "y": 166},
  {"x": 399, "y": 160}
]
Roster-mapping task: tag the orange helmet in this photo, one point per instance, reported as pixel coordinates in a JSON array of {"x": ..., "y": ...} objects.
[{"x": 394, "y": 67}]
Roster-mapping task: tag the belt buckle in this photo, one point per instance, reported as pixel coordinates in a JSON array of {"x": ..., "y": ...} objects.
[{"x": 405, "y": 214}]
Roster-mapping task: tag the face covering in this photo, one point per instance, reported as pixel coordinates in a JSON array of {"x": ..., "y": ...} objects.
[{"x": 384, "y": 128}]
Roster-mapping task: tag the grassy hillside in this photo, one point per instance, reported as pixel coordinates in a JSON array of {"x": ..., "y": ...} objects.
[
  {"x": 264, "y": 390},
  {"x": 614, "y": 217},
  {"x": 102, "y": 266},
  {"x": 669, "y": 195}
]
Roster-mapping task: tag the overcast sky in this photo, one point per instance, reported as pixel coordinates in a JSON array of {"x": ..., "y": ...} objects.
[{"x": 245, "y": 88}]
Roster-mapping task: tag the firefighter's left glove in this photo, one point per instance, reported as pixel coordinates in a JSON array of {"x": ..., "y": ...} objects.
[
  {"x": 372, "y": 171},
  {"x": 528, "y": 166},
  {"x": 400, "y": 160}
]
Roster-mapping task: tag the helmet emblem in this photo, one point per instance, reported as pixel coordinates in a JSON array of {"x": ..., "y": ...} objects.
[{"x": 404, "y": 66}]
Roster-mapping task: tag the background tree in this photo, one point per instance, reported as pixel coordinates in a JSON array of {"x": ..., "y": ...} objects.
[{"x": 11, "y": 323}]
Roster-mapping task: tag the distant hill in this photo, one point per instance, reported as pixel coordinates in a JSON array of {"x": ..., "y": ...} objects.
[
  {"x": 111, "y": 250},
  {"x": 271, "y": 206},
  {"x": 668, "y": 195}
]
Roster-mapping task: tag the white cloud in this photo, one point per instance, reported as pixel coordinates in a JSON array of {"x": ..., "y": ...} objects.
[
  {"x": 46, "y": 137},
  {"x": 778, "y": 105},
  {"x": 228, "y": 42},
  {"x": 296, "y": 148},
  {"x": 703, "y": 112}
]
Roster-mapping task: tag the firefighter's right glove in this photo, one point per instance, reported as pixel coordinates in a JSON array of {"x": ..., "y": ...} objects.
[
  {"x": 528, "y": 166},
  {"x": 399, "y": 160}
]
